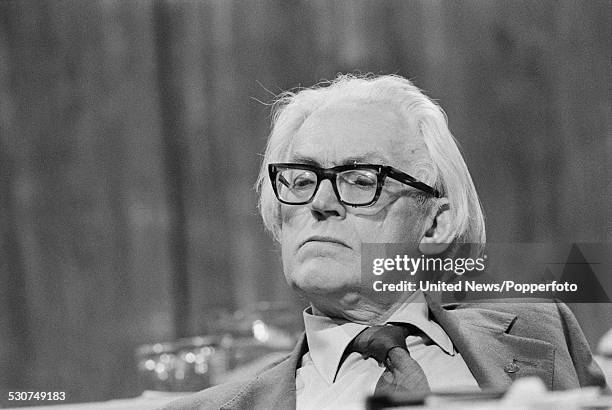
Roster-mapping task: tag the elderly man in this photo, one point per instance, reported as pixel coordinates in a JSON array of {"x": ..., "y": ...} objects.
[{"x": 371, "y": 160}]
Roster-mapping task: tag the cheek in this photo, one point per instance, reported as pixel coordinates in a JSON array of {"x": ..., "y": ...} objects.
[
  {"x": 288, "y": 237},
  {"x": 402, "y": 223},
  {"x": 410, "y": 227},
  {"x": 293, "y": 220},
  {"x": 293, "y": 217},
  {"x": 371, "y": 231}
]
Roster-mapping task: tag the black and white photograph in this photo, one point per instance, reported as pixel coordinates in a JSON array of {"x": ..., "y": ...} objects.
[{"x": 305, "y": 204}]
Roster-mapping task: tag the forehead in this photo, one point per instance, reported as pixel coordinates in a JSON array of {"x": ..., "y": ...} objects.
[{"x": 347, "y": 133}]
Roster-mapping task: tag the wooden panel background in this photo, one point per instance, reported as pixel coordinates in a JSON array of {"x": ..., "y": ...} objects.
[{"x": 129, "y": 143}]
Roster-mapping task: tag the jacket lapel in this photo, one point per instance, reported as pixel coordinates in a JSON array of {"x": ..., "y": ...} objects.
[
  {"x": 273, "y": 388},
  {"x": 494, "y": 355}
]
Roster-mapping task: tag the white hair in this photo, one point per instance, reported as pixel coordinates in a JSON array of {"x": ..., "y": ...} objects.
[{"x": 446, "y": 170}]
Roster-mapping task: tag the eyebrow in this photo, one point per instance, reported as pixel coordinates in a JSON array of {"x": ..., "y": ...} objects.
[
  {"x": 305, "y": 160},
  {"x": 367, "y": 158}
]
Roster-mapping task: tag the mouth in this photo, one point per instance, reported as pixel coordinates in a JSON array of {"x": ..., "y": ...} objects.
[{"x": 323, "y": 239}]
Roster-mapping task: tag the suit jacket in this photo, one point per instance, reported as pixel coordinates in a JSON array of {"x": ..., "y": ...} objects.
[{"x": 498, "y": 341}]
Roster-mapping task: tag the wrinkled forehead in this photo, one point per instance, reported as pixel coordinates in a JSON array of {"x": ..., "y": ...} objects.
[{"x": 352, "y": 132}]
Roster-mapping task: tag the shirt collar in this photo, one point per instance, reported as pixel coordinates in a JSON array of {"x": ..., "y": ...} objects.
[
  {"x": 327, "y": 341},
  {"x": 416, "y": 312},
  {"x": 328, "y": 338}
]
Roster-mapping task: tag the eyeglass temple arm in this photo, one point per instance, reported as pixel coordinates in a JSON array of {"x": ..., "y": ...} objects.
[{"x": 413, "y": 182}]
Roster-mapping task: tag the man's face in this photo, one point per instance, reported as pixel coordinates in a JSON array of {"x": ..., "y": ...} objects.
[{"x": 321, "y": 241}]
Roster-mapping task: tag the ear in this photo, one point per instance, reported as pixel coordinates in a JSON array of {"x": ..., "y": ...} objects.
[{"x": 439, "y": 233}]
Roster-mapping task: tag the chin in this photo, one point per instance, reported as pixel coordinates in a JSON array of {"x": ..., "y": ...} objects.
[{"x": 313, "y": 283}]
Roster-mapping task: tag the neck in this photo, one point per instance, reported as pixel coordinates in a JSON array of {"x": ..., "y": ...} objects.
[{"x": 358, "y": 309}]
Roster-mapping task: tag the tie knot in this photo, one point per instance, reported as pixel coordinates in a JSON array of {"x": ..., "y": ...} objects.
[{"x": 376, "y": 341}]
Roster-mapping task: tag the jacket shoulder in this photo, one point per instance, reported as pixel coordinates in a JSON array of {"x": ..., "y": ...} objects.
[
  {"x": 547, "y": 320},
  {"x": 527, "y": 309},
  {"x": 544, "y": 319},
  {"x": 217, "y": 396},
  {"x": 211, "y": 398}
]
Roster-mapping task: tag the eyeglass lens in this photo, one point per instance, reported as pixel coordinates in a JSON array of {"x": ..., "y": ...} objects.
[{"x": 299, "y": 185}]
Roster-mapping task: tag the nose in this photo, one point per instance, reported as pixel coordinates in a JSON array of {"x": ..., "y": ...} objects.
[{"x": 326, "y": 204}]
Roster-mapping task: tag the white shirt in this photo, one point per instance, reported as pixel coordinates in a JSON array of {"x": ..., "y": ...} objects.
[{"x": 321, "y": 385}]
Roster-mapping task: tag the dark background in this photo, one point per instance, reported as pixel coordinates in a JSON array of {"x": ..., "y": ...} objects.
[{"x": 129, "y": 143}]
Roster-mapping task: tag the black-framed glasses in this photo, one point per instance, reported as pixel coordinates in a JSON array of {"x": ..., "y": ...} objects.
[{"x": 354, "y": 185}]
